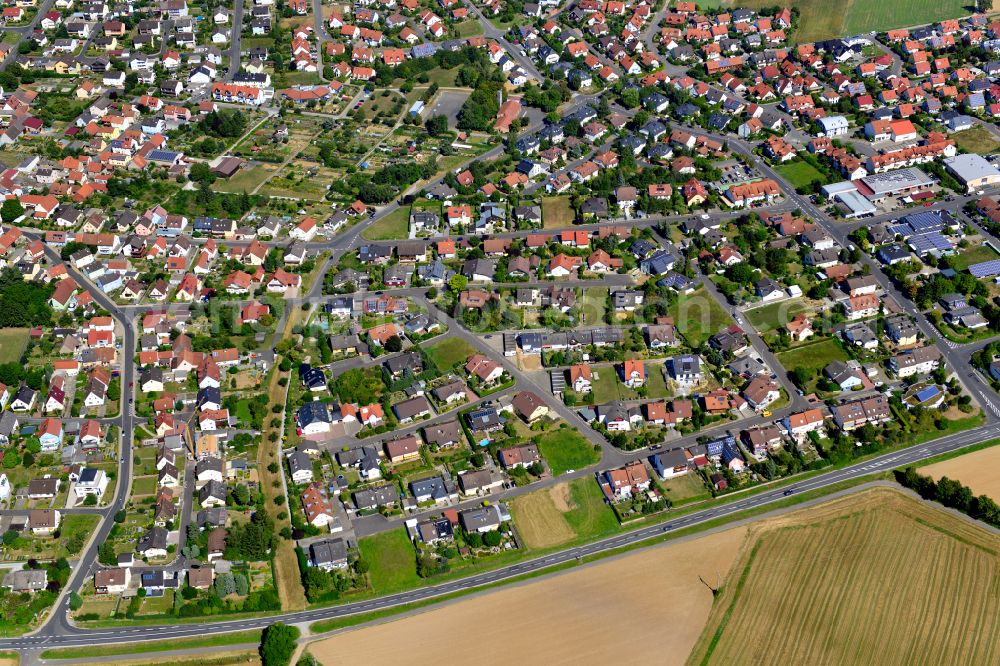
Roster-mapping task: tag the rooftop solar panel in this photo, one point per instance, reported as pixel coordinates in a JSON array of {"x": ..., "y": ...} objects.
[{"x": 985, "y": 268}]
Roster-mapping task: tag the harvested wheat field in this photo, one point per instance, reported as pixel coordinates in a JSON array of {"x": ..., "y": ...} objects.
[
  {"x": 873, "y": 578},
  {"x": 646, "y": 607},
  {"x": 980, "y": 470}
]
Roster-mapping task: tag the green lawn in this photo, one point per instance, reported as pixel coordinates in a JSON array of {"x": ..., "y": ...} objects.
[
  {"x": 565, "y": 449},
  {"x": 12, "y": 344},
  {"x": 684, "y": 489},
  {"x": 144, "y": 485},
  {"x": 392, "y": 561},
  {"x": 976, "y": 140},
  {"x": 245, "y": 180},
  {"x": 557, "y": 212},
  {"x": 775, "y": 315},
  {"x": 147, "y": 456},
  {"x": 814, "y": 355},
  {"x": 466, "y": 29},
  {"x": 699, "y": 316},
  {"x": 800, "y": 173},
  {"x": 823, "y": 19},
  {"x": 445, "y": 78},
  {"x": 590, "y": 516},
  {"x": 302, "y": 78},
  {"x": 973, "y": 255},
  {"x": 76, "y": 528},
  {"x": 55, "y": 106},
  {"x": 394, "y": 226},
  {"x": 593, "y": 305},
  {"x": 218, "y": 640},
  {"x": 446, "y": 353},
  {"x": 607, "y": 386},
  {"x": 656, "y": 382},
  {"x": 243, "y": 411}
]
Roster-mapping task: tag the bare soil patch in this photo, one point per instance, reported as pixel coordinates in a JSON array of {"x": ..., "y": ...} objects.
[
  {"x": 646, "y": 607},
  {"x": 561, "y": 497},
  {"x": 530, "y": 362}
]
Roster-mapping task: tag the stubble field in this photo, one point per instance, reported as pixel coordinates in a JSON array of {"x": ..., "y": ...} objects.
[
  {"x": 647, "y": 607},
  {"x": 977, "y": 470},
  {"x": 873, "y": 578}
]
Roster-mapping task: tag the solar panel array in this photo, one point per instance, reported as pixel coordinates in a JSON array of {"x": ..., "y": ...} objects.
[
  {"x": 932, "y": 242},
  {"x": 985, "y": 268}
]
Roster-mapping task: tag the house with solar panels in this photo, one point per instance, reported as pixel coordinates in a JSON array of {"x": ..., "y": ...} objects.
[{"x": 928, "y": 233}]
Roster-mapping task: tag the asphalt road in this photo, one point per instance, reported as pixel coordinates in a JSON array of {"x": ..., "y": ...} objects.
[
  {"x": 237, "y": 38},
  {"x": 69, "y": 636},
  {"x": 58, "y": 623}
]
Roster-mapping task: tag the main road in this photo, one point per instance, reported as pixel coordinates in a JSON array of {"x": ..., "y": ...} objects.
[{"x": 70, "y": 636}]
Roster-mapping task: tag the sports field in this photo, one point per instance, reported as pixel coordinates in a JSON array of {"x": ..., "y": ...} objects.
[
  {"x": 873, "y": 578},
  {"x": 823, "y": 19}
]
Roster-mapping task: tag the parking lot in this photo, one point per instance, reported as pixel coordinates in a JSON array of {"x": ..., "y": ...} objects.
[{"x": 447, "y": 103}]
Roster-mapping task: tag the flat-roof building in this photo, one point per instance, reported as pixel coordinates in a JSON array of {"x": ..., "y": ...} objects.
[
  {"x": 972, "y": 170},
  {"x": 880, "y": 186}
]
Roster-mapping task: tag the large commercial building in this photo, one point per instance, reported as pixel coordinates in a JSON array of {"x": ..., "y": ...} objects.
[{"x": 973, "y": 171}]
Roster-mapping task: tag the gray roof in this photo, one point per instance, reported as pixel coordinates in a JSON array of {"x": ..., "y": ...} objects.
[
  {"x": 328, "y": 552},
  {"x": 375, "y": 497}
]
